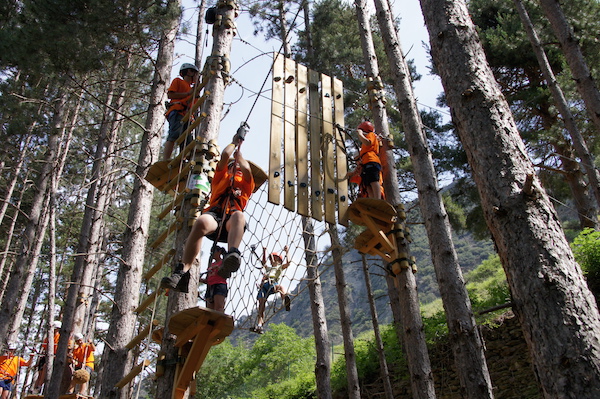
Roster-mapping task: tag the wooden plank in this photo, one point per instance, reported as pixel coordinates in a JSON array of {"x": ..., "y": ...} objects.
[
  {"x": 289, "y": 136},
  {"x": 143, "y": 334},
  {"x": 376, "y": 229},
  {"x": 176, "y": 201},
  {"x": 196, "y": 356},
  {"x": 276, "y": 131},
  {"x": 132, "y": 374},
  {"x": 166, "y": 258},
  {"x": 328, "y": 147},
  {"x": 316, "y": 178},
  {"x": 340, "y": 153},
  {"x": 160, "y": 173},
  {"x": 302, "y": 140},
  {"x": 173, "y": 227},
  {"x": 147, "y": 301}
]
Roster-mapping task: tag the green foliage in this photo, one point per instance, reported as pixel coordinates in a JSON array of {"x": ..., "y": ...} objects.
[
  {"x": 586, "y": 249},
  {"x": 280, "y": 364}
]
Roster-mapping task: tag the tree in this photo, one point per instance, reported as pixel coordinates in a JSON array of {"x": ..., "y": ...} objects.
[
  {"x": 404, "y": 280},
  {"x": 548, "y": 289},
  {"x": 467, "y": 343}
]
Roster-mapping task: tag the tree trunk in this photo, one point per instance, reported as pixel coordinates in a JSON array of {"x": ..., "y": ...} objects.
[
  {"x": 14, "y": 302},
  {"x": 587, "y": 160},
  {"x": 467, "y": 343},
  {"x": 557, "y": 311},
  {"x": 209, "y": 129},
  {"x": 117, "y": 360},
  {"x": 199, "y": 33},
  {"x": 586, "y": 86},
  {"x": 345, "y": 315},
  {"x": 317, "y": 307},
  {"x": 414, "y": 336},
  {"x": 385, "y": 375}
]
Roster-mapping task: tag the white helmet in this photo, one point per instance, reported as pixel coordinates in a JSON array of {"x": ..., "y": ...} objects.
[
  {"x": 77, "y": 336},
  {"x": 185, "y": 66},
  {"x": 11, "y": 345},
  {"x": 57, "y": 324}
]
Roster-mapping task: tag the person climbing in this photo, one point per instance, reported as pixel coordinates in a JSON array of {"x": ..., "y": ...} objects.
[
  {"x": 180, "y": 93},
  {"x": 216, "y": 291},
  {"x": 41, "y": 365},
  {"x": 9, "y": 368},
  {"x": 369, "y": 164},
  {"x": 83, "y": 364},
  {"x": 270, "y": 285},
  {"x": 223, "y": 220}
]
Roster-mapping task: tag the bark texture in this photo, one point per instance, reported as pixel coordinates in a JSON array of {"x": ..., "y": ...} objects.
[{"x": 557, "y": 311}]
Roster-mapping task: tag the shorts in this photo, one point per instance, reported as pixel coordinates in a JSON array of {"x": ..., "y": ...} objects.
[
  {"x": 268, "y": 288},
  {"x": 370, "y": 173},
  {"x": 216, "y": 289},
  {"x": 217, "y": 214},
  {"x": 6, "y": 384},
  {"x": 177, "y": 127}
]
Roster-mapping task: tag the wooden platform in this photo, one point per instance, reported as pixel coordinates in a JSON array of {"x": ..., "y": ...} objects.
[
  {"x": 197, "y": 330},
  {"x": 364, "y": 210},
  {"x": 160, "y": 174}
]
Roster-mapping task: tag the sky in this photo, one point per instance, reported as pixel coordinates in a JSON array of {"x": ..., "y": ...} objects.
[{"x": 251, "y": 59}]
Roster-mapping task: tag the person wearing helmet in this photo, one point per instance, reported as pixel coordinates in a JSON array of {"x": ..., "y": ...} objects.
[
  {"x": 41, "y": 364},
  {"x": 270, "y": 285},
  {"x": 369, "y": 162},
  {"x": 223, "y": 220},
  {"x": 9, "y": 368},
  {"x": 83, "y": 363},
  {"x": 180, "y": 93},
  {"x": 216, "y": 291}
]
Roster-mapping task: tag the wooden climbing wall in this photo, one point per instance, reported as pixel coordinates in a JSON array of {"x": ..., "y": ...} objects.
[{"x": 307, "y": 158}]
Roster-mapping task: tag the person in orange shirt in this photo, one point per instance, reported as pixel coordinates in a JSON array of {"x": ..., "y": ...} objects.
[
  {"x": 370, "y": 164},
  {"x": 83, "y": 363},
  {"x": 9, "y": 368},
  {"x": 41, "y": 365},
  {"x": 180, "y": 93},
  {"x": 224, "y": 220}
]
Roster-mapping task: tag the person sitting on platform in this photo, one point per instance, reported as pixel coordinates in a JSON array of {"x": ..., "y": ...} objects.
[
  {"x": 83, "y": 363},
  {"x": 216, "y": 291},
  {"x": 224, "y": 220},
  {"x": 270, "y": 285},
  {"x": 9, "y": 368},
  {"x": 180, "y": 93},
  {"x": 369, "y": 164}
]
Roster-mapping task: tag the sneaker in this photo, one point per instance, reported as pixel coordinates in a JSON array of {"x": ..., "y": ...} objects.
[
  {"x": 257, "y": 329},
  {"x": 287, "y": 302},
  {"x": 184, "y": 282},
  {"x": 177, "y": 281},
  {"x": 231, "y": 263}
]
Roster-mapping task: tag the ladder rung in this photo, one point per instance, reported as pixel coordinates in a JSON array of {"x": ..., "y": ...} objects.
[
  {"x": 174, "y": 226},
  {"x": 140, "y": 337},
  {"x": 166, "y": 257},
  {"x": 146, "y": 302},
  {"x": 135, "y": 371}
]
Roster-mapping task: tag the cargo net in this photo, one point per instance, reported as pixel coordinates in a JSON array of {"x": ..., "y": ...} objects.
[{"x": 273, "y": 227}]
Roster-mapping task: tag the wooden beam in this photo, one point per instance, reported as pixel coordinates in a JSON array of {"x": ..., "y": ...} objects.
[
  {"x": 143, "y": 334},
  {"x": 289, "y": 136},
  {"x": 131, "y": 375},
  {"x": 316, "y": 178},
  {"x": 302, "y": 140},
  {"x": 276, "y": 130}
]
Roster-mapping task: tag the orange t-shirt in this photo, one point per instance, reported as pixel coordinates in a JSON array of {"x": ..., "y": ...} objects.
[
  {"x": 84, "y": 355},
  {"x": 179, "y": 85},
  {"x": 221, "y": 183},
  {"x": 56, "y": 338},
  {"x": 9, "y": 366},
  {"x": 370, "y": 152}
]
